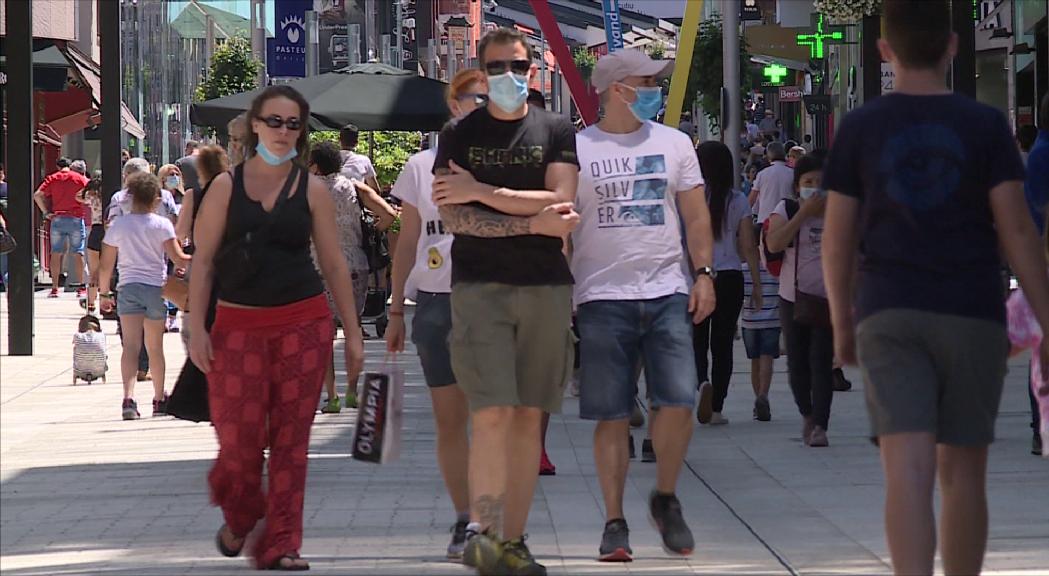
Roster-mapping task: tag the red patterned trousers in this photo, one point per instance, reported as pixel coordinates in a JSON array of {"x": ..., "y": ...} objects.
[{"x": 264, "y": 384}]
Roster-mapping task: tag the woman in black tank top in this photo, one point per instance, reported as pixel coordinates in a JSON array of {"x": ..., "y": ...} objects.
[{"x": 266, "y": 354}]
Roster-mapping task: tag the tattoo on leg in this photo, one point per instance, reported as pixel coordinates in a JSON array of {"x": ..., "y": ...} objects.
[{"x": 490, "y": 510}]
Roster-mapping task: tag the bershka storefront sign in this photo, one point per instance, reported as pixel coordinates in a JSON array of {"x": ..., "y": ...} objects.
[{"x": 790, "y": 94}]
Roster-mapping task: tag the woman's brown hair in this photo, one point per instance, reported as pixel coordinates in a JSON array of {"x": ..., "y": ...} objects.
[
  {"x": 211, "y": 161},
  {"x": 463, "y": 80},
  {"x": 280, "y": 91}
]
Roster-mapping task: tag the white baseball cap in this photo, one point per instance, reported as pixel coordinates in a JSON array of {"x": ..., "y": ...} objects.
[{"x": 621, "y": 64}]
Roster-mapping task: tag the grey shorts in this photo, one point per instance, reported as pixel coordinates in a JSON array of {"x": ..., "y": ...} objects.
[
  {"x": 431, "y": 328},
  {"x": 937, "y": 373},
  {"x": 512, "y": 345}
]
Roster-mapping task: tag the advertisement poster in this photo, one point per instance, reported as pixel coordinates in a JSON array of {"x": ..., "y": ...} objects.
[
  {"x": 334, "y": 42},
  {"x": 287, "y": 51}
]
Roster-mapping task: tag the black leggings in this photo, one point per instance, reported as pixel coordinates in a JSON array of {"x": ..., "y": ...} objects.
[
  {"x": 717, "y": 333},
  {"x": 810, "y": 365}
]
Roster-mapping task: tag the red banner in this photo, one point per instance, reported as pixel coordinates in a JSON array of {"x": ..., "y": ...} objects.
[{"x": 585, "y": 100}]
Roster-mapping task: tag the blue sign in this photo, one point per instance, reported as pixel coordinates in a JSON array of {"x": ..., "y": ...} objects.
[
  {"x": 613, "y": 25},
  {"x": 286, "y": 54}
]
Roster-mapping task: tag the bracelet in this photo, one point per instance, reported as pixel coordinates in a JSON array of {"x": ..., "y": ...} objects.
[
  {"x": 396, "y": 313},
  {"x": 106, "y": 294}
]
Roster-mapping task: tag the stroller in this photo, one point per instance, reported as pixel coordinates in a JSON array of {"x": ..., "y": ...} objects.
[
  {"x": 89, "y": 351},
  {"x": 375, "y": 303}
]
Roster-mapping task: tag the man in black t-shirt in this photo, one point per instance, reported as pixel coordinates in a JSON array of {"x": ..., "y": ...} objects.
[
  {"x": 925, "y": 186},
  {"x": 505, "y": 178}
]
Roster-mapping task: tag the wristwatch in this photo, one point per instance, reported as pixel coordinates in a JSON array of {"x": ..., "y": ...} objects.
[{"x": 705, "y": 271}]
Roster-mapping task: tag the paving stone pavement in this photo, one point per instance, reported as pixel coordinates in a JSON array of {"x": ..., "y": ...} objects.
[{"x": 82, "y": 492}]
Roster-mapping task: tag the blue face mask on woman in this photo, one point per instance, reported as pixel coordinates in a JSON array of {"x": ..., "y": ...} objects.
[
  {"x": 271, "y": 158},
  {"x": 508, "y": 91},
  {"x": 649, "y": 101}
]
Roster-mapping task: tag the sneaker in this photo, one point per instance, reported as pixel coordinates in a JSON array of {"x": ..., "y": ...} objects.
[
  {"x": 630, "y": 443},
  {"x": 647, "y": 453},
  {"x": 160, "y": 407},
  {"x": 841, "y": 384},
  {"x": 716, "y": 419},
  {"x": 546, "y": 467},
  {"x": 807, "y": 425},
  {"x": 706, "y": 403},
  {"x": 615, "y": 542},
  {"x": 637, "y": 417},
  {"x": 351, "y": 400},
  {"x": 171, "y": 324},
  {"x": 458, "y": 543},
  {"x": 129, "y": 410},
  {"x": 482, "y": 552},
  {"x": 517, "y": 560},
  {"x": 53, "y": 293},
  {"x": 762, "y": 410},
  {"x": 818, "y": 438},
  {"x": 331, "y": 406},
  {"x": 143, "y": 376},
  {"x": 81, "y": 293},
  {"x": 665, "y": 513}
]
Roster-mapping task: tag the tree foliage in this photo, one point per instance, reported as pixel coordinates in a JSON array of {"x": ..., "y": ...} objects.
[
  {"x": 391, "y": 152},
  {"x": 584, "y": 62},
  {"x": 233, "y": 70},
  {"x": 707, "y": 74}
]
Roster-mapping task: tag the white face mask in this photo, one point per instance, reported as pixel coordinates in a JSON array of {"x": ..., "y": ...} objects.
[{"x": 808, "y": 192}]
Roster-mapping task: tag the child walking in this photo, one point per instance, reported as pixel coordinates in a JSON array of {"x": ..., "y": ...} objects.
[{"x": 141, "y": 239}]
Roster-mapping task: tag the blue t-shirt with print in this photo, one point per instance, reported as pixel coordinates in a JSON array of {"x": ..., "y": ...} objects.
[{"x": 923, "y": 168}]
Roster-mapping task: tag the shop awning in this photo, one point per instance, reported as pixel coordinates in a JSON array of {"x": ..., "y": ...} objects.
[{"x": 90, "y": 76}]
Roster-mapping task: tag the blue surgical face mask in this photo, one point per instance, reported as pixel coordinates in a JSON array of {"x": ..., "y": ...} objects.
[
  {"x": 807, "y": 192},
  {"x": 508, "y": 91},
  {"x": 271, "y": 158},
  {"x": 171, "y": 182},
  {"x": 649, "y": 101}
]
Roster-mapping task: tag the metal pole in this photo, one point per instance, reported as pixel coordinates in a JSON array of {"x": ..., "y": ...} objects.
[
  {"x": 20, "y": 211},
  {"x": 542, "y": 62},
  {"x": 398, "y": 54},
  {"x": 730, "y": 46},
  {"x": 385, "y": 54},
  {"x": 312, "y": 44},
  {"x": 371, "y": 30},
  {"x": 963, "y": 70}
]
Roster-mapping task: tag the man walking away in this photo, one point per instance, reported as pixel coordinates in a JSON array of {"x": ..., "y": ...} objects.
[
  {"x": 931, "y": 337},
  {"x": 187, "y": 165},
  {"x": 56, "y": 198},
  {"x": 636, "y": 301},
  {"x": 511, "y": 343},
  {"x": 356, "y": 166},
  {"x": 773, "y": 184}
]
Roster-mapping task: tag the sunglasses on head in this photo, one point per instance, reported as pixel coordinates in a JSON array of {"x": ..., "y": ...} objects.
[
  {"x": 496, "y": 67},
  {"x": 479, "y": 99},
  {"x": 274, "y": 121}
]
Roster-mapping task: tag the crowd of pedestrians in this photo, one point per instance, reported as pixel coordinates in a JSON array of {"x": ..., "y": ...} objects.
[{"x": 524, "y": 244}]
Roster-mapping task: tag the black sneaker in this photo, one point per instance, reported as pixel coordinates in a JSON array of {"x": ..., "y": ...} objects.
[
  {"x": 482, "y": 552},
  {"x": 615, "y": 542},
  {"x": 160, "y": 407},
  {"x": 129, "y": 409},
  {"x": 647, "y": 453},
  {"x": 517, "y": 560},
  {"x": 841, "y": 384},
  {"x": 665, "y": 513},
  {"x": 458, "y": 543},
  {"x": 762, "y": 410}
]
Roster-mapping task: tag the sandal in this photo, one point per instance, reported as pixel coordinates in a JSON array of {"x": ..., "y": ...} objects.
[
  {"x": 221, "y": 544},
  {"x": 290, "y": 566}
]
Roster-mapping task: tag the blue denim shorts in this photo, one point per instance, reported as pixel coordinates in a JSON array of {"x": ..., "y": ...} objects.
[
  {"x": 616, "y": 336},
  {"x": 431, "y": 327},
  {"x": 67, "y": 231},
  {"x": 136, "y": 298},
  {"x": 761, "y": 342}
]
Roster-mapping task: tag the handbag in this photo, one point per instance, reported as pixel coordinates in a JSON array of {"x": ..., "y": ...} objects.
[
  {"x": 373, "y": 241},
  {"x": 809, "y": 309},
  {"x": 7, "y": 241},
  {"x": 380, "y": 416},
  {"x": 237, "y": 261},
  {"x": 176, "y": 290},
  {"x": 189, "y": 398}
]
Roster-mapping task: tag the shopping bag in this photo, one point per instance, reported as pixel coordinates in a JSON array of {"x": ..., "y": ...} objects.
[{"x": 380, "y": 415}]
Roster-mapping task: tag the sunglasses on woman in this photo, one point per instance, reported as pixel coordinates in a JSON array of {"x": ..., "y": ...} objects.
[
  {"x": 479, "y": 99},
  {"x": 497, "y": 67},
  {"x": 274, "y": 121}
]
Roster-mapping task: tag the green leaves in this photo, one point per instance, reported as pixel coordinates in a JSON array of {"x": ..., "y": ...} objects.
[
  {"x": 391, "y": 152},
  {"x": 233, "y": 69}
]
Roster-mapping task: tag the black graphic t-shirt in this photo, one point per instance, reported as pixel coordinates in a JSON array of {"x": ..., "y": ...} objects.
[
  {"x": 923, "y": 168},
  {"x": 512, "y": 154}
]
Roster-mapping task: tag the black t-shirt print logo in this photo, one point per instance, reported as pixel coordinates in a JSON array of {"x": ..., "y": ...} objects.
[
  {"x": 481, "y": 156},
  {"x": 923, "y": 165}
]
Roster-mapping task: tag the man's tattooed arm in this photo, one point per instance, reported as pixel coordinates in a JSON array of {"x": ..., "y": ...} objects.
[
  {"x": 481, "y": 221},
  {"x": 490, "y": 511}
]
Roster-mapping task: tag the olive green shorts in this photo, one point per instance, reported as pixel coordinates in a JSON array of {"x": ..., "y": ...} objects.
[
  {"x": 937, "y": 373},
  {"x": 512, "y": 345}
]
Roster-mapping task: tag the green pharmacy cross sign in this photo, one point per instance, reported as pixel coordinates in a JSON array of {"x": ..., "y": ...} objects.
[
  {"x": 825, "y": 34},
  {"x": 775, "y": 74}
]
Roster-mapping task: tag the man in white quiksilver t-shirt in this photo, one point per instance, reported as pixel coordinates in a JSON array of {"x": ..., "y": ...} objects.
[{"x": 636, "y": 302}]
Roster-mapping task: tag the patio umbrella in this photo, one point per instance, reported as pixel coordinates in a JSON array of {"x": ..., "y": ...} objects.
[{"x": 372, "y": 96}]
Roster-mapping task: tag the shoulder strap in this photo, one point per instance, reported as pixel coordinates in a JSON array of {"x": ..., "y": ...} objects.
[{"x": 282, "y": 198}]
